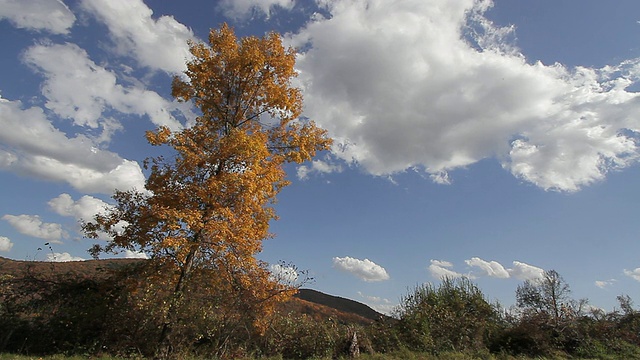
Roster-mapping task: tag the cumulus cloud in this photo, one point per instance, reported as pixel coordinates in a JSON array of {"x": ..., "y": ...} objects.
[
  {"x": 243, "y": 9},
  {"x": 488, "y": 268},
  {"x": 34, "y": 147},
  {"x": 442, "y": 269},
  {"x": 156, "y": 43},
  {"x": 83, "y": 209},
  {"x": 635, "y": 273},
  {"x": 524, "y": 271},
  {"x": 32, "y": 225},
  {"x": 62, "y": 257},
  {"x": 49, "y": 15},
  {"x": 365, "y": 269},
  {"x": 5, "y": 244},
  {"x": 73, "y": 70},
  {"x": 408, "y": 84}
]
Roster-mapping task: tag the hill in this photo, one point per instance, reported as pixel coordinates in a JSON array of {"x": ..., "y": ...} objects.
[
  {"x": 313, "y": 303},
  {"x": 340, "y": 304}
]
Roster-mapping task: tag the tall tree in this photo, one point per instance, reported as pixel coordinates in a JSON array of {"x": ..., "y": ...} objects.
[{"x": 208, "y": 208}]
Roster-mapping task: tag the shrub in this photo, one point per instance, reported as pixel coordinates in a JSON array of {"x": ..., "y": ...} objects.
[{"x": 451, "y": 317}]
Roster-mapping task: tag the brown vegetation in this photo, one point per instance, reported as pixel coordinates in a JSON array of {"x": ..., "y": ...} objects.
[{"x": 87, "y": 308}]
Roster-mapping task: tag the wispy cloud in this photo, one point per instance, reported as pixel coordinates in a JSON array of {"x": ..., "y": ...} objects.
[
  {"x": 381, "y": 305},
  {"x": 603, "y": 284},
  {"x": 440, "y": 269},
  {"x": 635, "y": 273},
  {"x": 325, "y": 166}
]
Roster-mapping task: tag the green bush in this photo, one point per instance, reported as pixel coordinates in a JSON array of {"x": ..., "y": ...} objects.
[{"x": 451, "y": 317}]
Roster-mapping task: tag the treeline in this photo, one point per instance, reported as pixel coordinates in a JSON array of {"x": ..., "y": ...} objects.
[{"x": 117, "y": 313}]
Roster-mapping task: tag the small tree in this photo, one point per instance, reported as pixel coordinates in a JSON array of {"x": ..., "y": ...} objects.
[
  {"x": 549, "y": 298},
  {"x": 205, "y": 212},
  {"x": 549, "y": 316}
]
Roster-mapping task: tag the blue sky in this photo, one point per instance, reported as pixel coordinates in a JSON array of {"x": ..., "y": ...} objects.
[{"x": 488, "y": 139}]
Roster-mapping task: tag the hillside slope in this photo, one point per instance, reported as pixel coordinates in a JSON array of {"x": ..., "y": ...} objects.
[
  {"x": 313, "y": 303},
  {"x": 339, "y": 303}
]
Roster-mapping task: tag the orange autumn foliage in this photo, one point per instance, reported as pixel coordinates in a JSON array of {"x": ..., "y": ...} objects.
[{"x": 205, "y": 212}]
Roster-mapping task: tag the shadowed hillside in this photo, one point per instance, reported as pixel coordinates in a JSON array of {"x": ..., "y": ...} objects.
[
  {"x": 340, "y": 304},
  {"x": 313, "y": 303}
]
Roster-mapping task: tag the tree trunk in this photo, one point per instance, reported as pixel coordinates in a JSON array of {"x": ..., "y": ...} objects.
[{"x": 165, "y": 346}]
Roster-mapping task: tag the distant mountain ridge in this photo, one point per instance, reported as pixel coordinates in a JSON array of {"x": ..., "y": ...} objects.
[{"x": 339, "y": 303}]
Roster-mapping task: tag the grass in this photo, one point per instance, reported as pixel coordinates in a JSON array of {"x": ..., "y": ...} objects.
[
  {"x": 401, "y": 355},
  {"x": 52, "y": 357}
]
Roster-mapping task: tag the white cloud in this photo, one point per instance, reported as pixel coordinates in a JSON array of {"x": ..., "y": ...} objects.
[
  {"x": 31, "y": 225},
  {"x": 365, "y": 269},
  {"x": 72, "y": 70},
  {"x": 243, "y": 9},
  {"x": 524, "y": 271},
  {"x": 520, "y": 270},
  {"x": 62, "y": 257},
  {"x": 83, "y": 209},
  {"x": 635, "y": 273},
  {"x": 135, "y": 255},
  {"x": 283, "y": 273},
  {"x": 441, "y": 177},
  {"x": 440, "y": 269},
  {"x": 376, "y": 299},
  {"x": 603, "y": 284},
  {"x": 488, "y": 268},
  {"x": 50, "y": 15},
  {"x": 400, "y": 84},
  {"x": 33, "y": 146},
  {"x": 441, "y": 263},
  {"x": 319, "y": 167},
  {"x": 5, "y": 244},
  {"x": 157, "y": 43},
  {"x": 381, "y": 305}
]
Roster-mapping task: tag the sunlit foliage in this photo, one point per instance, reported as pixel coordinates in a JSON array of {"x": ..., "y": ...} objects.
[{"x": 205, "y": 211}]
